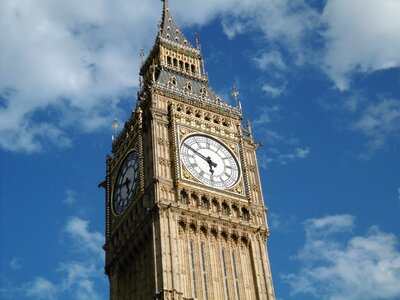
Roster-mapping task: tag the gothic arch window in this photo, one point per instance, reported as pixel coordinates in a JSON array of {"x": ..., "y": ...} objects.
[
  {"x": 204, "y": 270},
  {"x": 203, "y": 92},
  {"x": 175, "y": 62},
  {"x": 193, "y": 69},
  {"x": 226, "y": 123},
  {"x": 225, "y": 268},
  {"x": 235, "y": 274},
  {"x": 225, "y": 209},
  {"x": 194, "y": 199},
  {"x": 215, "y": 206},
  {"x": 189, "y": 86},
  {"x": 181, "y": 64},
  {"x": 187, "y": 67},
  {"x": 204, "y": 203},
  {"x": 234, "y": 237},
  {"x": 214, "y": 232},
  {"x": 245, "y": 214},
  {"x": 235, "y": 211},
  {"x": 169, "y": 60},
  {"x": 184, "y": 197},
  {"x": 193, "y": 268},
  {"x": 173, "y": 81}
]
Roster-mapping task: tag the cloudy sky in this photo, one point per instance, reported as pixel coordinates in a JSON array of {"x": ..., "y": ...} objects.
[{"x": 320, "y": 81}]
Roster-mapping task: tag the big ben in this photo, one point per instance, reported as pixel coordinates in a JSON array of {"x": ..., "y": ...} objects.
[{"x": 185, "y": 214}]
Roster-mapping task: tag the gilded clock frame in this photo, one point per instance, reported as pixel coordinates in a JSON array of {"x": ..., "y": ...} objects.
[{"x": 185, "y": 176}]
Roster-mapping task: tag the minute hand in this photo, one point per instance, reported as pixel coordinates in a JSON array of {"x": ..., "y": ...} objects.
[{"x": 207, "y": 159}]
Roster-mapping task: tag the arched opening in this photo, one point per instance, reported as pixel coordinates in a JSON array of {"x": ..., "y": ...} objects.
[
  {"x": 225, "y": 209},
  {"x": 245, "y": 214}
]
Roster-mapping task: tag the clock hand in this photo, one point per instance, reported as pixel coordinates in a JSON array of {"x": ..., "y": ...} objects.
[
  {"x": 207, "y": 159},
  {"x": 211, "y": 164},
  {"x": 126, "y": 182},
  {"x": 197, "y": 153}
]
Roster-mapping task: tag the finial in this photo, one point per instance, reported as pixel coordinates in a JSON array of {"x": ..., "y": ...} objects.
[
  {"x": 142, "y": 56},
  {"x": 249, "y": 127},
  {"x": 235, "y": 94},
  {"x": 115, "y": 126},
  {"x": 196, "y": 36}
]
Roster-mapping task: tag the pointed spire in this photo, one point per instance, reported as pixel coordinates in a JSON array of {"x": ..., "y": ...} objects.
[{"x": 169, "y": 30}]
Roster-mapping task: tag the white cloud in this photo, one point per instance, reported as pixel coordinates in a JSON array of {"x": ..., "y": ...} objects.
[
  {"x": 70, "y": 197},
  {"x": 362, "y": 36},
  {"x": 78, "y": 282},
  {"x": 349, "y": 37},
  {"x": 15, "y": 263},
  {"x": 267, "y": 115},
  {"x": 276, "y": 141},
  {"x": 270, "y": 60},
  {"x": 279, "y": 223},
  {"x": 67, "y": 64},
  {"x": 275, "y": 155},
  {"x": 273, "y": 91},
  {"x": 41, "y": 288},
  {"x": 296, "y": 154},
  {"x": 85, "y": 240},
  {"x": 378, "y": 122},
  {"x": 282, "y": 22},
  {"x": 329, "y": 225},
  {"x": 78, "y": 279},
  {"x": 363, "y": 267}
]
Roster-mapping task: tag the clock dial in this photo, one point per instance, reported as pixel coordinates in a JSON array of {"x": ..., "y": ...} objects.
[
  {"x": 209, "y": 161},
  {"x": 126, "y": 184}
]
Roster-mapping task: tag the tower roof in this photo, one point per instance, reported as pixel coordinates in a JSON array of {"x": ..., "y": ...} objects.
[{"x": 169, "y": 31}]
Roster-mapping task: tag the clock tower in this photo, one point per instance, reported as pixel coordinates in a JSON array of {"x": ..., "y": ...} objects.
[{"x": 185, "y": 214}]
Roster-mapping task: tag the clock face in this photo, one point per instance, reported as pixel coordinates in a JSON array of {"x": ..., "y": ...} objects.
[
  {"x": 126, "y": 184},
  {"x": 209, "y": 161}
]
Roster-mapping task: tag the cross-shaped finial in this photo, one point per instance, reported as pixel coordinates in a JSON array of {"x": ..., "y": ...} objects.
[
  {"x": 115, "y": 124},
  {"x": 235, "y": 94},
  {"x": 142, "y": 56}
]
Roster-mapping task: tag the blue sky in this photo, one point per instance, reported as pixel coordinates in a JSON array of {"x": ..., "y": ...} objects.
[{"x": 320, "y": 81}]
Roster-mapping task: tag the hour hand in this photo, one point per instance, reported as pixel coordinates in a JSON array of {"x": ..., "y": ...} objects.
[
  {"x": 126, "y": 182},
  {"x": 211, "y": 164}
]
